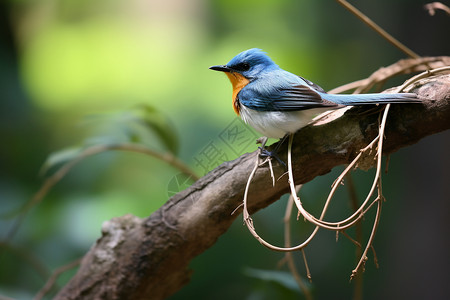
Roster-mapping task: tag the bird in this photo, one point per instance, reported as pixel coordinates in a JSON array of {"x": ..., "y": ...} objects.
[{"x": 278, "y": 103}]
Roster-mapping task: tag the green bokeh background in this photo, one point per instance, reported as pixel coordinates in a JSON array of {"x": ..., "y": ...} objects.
[{"x": 64, "y": 61}]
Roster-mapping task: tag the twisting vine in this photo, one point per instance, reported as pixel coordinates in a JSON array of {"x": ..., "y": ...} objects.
[{"x": 344, "y": 224}]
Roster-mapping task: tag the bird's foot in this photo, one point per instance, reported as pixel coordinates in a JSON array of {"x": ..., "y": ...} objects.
[{"x": 263, "y": 152}]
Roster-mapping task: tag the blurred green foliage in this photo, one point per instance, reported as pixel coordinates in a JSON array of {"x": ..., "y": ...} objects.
[{"x": 64, "y": 60}]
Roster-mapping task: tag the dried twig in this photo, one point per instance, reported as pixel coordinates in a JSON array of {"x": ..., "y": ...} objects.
[
  {"x": 432, "y": 7},
  {"x": 378, "y": 29},
  {"x": 380, "y": 196},
  {"x": 358, "y": 285},
  {"x": 249, "y": 222},
  {"x": 288, "y": 255},
  {"x": 404, "y": 66}
]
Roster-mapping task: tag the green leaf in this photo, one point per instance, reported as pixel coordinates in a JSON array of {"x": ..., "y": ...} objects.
[
  {"x": 143, "y": 124},
  {"x": 140, "y": 125},
  {"x": 283, "y": 278},
  {"x": 60, "y": 157},
  {"x": 154, "y": 120}
]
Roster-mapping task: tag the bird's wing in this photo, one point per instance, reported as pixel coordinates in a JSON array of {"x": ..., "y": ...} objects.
[
  {"x": 312, "y": 84},
  {"x": 278, "y": 94}
]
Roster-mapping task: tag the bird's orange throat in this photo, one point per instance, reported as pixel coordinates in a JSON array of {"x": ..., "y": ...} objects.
[{"x": 238, "y": 81}]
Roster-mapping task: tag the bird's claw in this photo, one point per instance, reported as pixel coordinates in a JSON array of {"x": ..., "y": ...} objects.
[{"x": 263, "y": 152}]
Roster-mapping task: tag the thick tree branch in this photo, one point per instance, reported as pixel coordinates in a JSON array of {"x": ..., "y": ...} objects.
[{"x": 149, "y": 258}]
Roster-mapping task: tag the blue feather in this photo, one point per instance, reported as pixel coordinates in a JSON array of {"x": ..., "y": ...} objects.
[{"x": 361, "y": 99}]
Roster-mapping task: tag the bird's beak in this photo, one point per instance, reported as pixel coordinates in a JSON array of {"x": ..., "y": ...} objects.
[{"x": 222, "y": 68}]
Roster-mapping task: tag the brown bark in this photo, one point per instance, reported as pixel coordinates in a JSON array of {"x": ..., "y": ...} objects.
[{"x": 149, "y": 258}]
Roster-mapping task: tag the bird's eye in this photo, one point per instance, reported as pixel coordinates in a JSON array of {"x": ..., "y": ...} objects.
[{"x": 242, "y": 66}]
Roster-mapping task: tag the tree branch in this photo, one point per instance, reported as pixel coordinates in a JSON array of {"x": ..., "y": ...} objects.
[{"x": 149, "y": 258}]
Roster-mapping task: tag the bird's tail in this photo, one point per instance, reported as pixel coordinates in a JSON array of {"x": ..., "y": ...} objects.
[{"x": 361, "y": 99}]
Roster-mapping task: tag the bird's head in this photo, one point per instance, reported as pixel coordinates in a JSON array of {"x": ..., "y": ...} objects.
[{"x": 249, "y": 64}]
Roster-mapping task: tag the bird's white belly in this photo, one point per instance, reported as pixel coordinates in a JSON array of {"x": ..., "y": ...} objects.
[{"x": 276, "y": 124}]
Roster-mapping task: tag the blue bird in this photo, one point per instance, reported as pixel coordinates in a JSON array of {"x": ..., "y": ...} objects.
[{"x": 276, "y": 102}]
